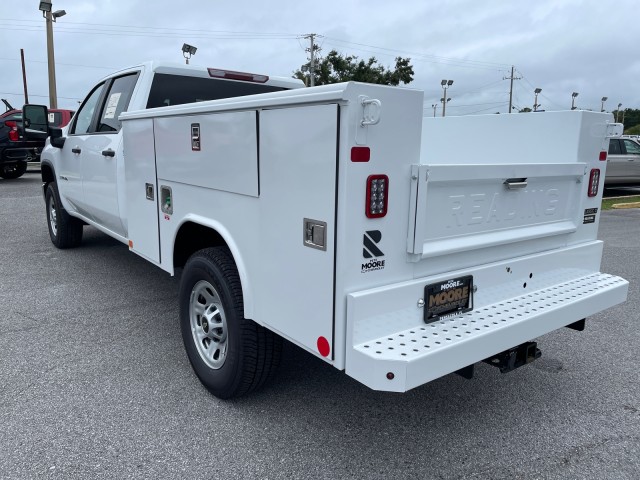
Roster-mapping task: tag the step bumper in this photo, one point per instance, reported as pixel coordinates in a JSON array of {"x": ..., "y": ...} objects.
[{"x": 413, "y": 356}]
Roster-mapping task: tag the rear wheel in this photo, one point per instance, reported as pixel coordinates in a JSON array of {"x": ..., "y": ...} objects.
[
  {"x": 230, "y": 354},
  {"x": 65, "y": 231},
  {"x": 10, "y": 172}
]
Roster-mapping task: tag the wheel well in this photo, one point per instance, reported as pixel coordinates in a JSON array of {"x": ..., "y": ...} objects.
[
  {"x": 193, "y": 237},
  {"x": 47, "y": 173}
]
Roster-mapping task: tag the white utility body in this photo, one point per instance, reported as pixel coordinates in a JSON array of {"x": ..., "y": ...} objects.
[{"x": 395, "y": 247}]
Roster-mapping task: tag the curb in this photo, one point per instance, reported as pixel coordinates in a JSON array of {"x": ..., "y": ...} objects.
[{"x": 626, "y": 205}]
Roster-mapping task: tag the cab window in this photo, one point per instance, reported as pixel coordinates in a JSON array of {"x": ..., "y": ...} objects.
[
  {"x": 614, "y": 147},
  {"x": 116, "y": 102},
  {"x": 632, "y": 147},
  {"x": 82, "y": 123}
]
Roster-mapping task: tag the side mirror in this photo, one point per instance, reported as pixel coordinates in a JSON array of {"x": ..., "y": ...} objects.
[
  {"x": 57, "y": 140},
  {"x": 35, "y": 125}
]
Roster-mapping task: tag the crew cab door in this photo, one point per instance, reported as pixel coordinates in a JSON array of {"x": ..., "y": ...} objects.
[
  {"x": 69, "y": 167},
  {"x": 102, "y": 156}
]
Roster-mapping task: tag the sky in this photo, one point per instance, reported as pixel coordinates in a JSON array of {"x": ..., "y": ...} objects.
[{"x": 561, "y": 46}]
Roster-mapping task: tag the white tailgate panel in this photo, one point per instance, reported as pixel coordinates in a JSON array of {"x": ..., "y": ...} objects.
[
  {"x": 228, "y": 155},
  {"x": 140, "y": 170},
  {"x": 467, "y": 207},
  {"x": 297, "y": 181}
]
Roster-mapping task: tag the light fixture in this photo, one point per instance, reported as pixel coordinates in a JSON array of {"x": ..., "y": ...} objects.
[
  {"x": 45, "y": 6},
  {"x": 187, "y": 51}
]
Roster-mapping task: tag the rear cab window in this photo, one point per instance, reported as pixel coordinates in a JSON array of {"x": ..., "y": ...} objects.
[{"x": 168, "y": 89}]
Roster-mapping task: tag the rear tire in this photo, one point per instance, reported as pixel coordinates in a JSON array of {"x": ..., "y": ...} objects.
[
  {"x": 231, "y": 355},
  {"x": 65, "y": 231},
  {"x": 14, "y": 171}
]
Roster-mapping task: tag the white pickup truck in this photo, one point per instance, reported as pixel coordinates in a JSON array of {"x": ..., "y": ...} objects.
[{"x": 339, "y": 218}]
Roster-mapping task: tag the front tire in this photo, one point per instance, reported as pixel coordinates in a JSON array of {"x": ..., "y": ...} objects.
[
  {"x": 65, "y": 231},
  {"x": 231, "y": 355}
]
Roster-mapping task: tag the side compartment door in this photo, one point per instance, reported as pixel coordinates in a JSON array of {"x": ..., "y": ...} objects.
[
  {"x": 294, "y": 261},
  {"x": 141, "y": 188}
]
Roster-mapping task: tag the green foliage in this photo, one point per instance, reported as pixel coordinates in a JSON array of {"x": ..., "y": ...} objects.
[
  {"x": 525, "y": 110},
  {"x": 630, "y": 117},
  {"x": 635, "y": 130},
  {"x": 335, "y": 68}
]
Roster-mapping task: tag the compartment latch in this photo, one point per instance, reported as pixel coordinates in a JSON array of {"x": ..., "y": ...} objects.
[{"x": 315, "y": 234}]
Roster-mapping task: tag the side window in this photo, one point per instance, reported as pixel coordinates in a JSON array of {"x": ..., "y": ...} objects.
[
  {"x": 116, "y": 102},
  {"x": 83, "y": 118},
  {"x": 614, "y": 147},
  {"x": 632, "y": 147}
]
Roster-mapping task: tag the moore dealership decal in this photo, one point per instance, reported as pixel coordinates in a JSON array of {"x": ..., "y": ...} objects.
[{"x": 371, "y": 251}]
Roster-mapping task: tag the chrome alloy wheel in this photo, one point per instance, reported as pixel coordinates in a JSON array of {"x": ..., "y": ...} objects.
[
  {"x": 53, "y": 216},
  {"x": 208, "y": 324}
]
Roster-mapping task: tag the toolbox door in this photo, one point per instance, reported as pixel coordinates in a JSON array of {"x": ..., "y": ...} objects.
[
  {"x": 141, "y": 189},
  {"x": 295, "y": 253}
]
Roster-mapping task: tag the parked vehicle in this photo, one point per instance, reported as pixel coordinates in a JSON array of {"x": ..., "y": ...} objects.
[
  {"x": 15, "y": 150},
  {"x": 623, "y": 162},
  {"x": 338, "y": 218}
]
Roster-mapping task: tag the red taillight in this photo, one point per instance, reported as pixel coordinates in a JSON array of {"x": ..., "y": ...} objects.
[
  {"x": 603, "y": 156},
  {"x": 360, "y": 154},
  {"x": 377, "y": 196},
  {"x": 594, "y": 182},
  {"x": 13, "y": 133},
  {"x": 231, "y": 75}
]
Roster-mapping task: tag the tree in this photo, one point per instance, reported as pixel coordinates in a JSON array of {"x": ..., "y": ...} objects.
[{"x": 335, "y": 68}]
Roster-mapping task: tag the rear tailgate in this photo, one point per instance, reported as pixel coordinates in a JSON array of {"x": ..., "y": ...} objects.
[
  {"x": 471, "y": 207},
  {"x": 501, "y": 244}
]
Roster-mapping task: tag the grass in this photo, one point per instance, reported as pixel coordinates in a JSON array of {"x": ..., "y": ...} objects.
[{"x": 607, "y": 203}]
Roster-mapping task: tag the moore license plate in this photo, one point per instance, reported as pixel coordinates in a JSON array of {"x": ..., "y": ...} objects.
[{"x": 448, "y": 297}]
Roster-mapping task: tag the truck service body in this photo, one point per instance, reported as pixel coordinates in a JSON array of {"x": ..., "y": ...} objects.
[{"x": 339, "y": 218}]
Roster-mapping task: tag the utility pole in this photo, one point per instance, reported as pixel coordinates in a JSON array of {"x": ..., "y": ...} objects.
[
  {"x": 24, "y": 77},
  {"x": 512, "y": 78},
  {"x": 312, "y": 62}
]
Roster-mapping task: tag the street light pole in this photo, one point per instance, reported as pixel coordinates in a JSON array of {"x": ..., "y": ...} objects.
[
  {"x": 573, "y": 100},
  {"x": 53, "y": 94},
  {"x": 604, "y": 99},
  {"x": 445, "y": 84},
  {"x": 535, "y": 102},
  {"x": 618, "y": 111},
  {"x": 50, "y": 17},
  {"x": 434, "y": 106}
]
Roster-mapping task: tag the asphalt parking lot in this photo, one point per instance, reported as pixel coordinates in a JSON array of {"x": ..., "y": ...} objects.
[{"x": 95, "y": 383}]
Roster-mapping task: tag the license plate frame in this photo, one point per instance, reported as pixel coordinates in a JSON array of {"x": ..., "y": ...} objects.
[{"x": 448, "y": 297}]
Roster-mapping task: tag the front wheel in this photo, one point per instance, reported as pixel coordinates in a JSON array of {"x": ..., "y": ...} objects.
[
  {"x": 65, "y": 231},
  {"x": 231, "y": 355}
]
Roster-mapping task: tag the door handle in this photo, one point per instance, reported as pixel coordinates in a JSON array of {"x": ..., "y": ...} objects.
[
  {"x": 109, "y": 153},
  {"x": 76, "y": 150},
  {"x": 515, "y": 183}
]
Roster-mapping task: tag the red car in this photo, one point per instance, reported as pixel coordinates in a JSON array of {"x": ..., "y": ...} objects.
[{"x": 15, "y": 152}]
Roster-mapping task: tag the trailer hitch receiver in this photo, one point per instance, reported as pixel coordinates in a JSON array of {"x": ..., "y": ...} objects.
[{"x": 515, "y": 357}]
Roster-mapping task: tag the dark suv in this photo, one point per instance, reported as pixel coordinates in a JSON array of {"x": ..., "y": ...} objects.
[{"x": 15, "y": 151}]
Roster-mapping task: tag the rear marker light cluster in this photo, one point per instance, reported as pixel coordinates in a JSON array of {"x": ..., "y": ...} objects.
[
  {"x": 594, "y": 182},
  {"x": 377, "y": 196}
]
